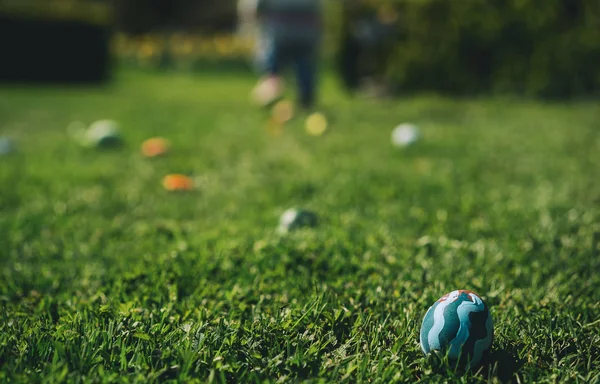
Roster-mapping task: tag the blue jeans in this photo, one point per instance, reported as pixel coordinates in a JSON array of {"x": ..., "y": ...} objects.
[{"x": 277, "y": 56}]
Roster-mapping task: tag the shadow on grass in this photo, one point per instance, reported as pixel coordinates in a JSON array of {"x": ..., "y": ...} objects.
[{"x": 503, "y": 364}]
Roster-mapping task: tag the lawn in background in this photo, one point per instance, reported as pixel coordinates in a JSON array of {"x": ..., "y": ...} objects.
[{"x": 105, "y": 276}]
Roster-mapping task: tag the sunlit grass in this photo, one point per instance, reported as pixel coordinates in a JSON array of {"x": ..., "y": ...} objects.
[{"x": 106, "y": 276}]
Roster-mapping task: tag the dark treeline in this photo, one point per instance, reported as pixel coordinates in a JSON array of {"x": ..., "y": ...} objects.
[
  {"x": 71, "y": 45},
  {"x": 141, "y": 16}
]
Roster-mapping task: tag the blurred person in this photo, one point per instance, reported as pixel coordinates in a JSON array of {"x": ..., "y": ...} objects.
[
  {"x": 364, "y": 47},
  {"x": 290, "y": 33},
  {"x": 350, "y": 48}
]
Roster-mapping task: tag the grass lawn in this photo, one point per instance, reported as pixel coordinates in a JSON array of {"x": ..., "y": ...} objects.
[{"x": 105, "y": 276}]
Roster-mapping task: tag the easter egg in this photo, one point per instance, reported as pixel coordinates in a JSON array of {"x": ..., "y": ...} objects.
[
  {"x": 102, "y": 134},
  {"x": 7, "y": 145},
  {"x": 459, "y": 325},
  {"x": 283, "y": 111},
  {"x": 316, "y": 124},
  {"x": 293, "y": 219},
  {"x": 405, "y": 134},
  {"x": 155, "y": 146},
  {"x": 177, "y": 182}
]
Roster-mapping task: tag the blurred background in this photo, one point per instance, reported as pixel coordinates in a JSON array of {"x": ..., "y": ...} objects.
[
  {"x": 547, "y": 48},
  {"x": 117, "y": 261}
]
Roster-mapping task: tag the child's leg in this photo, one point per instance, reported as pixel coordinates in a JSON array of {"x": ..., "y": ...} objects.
[
  {"x": 305, "y": 61},
  {"x": 269, "y": 87},
  {"x": 271, "y": 58}
]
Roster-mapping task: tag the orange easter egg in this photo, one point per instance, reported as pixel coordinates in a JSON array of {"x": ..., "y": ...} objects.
[
  {"x": 283, "y": 111},
  {"x": 155, "y": 146},
  {"x": 177, "y": 182}
]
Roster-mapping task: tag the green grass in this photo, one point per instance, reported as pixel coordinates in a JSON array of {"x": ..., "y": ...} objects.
[{"x": 106, "y": 277}]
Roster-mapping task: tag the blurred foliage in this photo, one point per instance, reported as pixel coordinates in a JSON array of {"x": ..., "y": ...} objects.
[
  {"x": 55, "y": 40},
  {"x": 145, "y": 16},
  {"x": 85, "y": 11},
  {"x": 131, "y": 16},
  {"x": 183, "y": 51},
  {"x": 548, "y": 48}
]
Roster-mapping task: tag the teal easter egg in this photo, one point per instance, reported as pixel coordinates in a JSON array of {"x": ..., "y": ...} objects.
[
  {"x": 7, "y": 146},
  {"x": 293, "y": 219},
  {"x": 102, "y": 134},
  {"x": 459, "y": 325}
]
